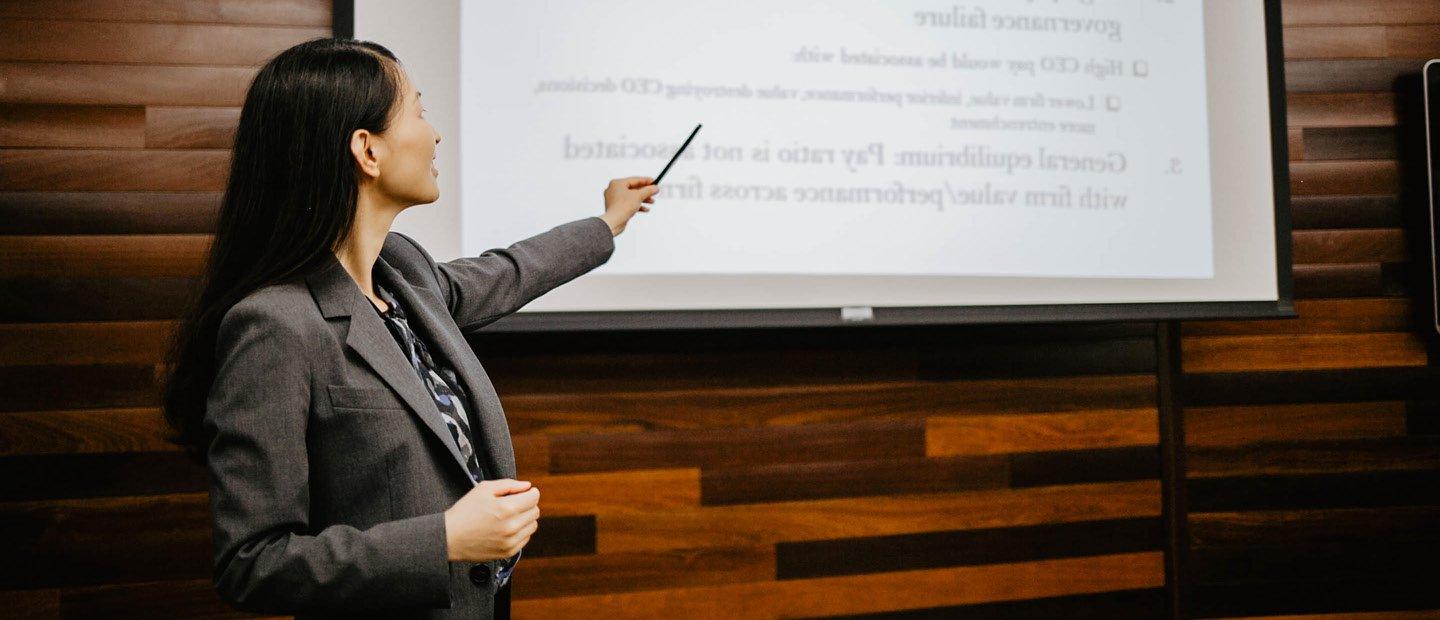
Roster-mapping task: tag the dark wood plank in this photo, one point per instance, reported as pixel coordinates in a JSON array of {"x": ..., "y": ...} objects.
[
  {"x": 142, "y": 601},
  {"x": 886, "y": 592},
  {"x": 190, "y": 128},
  {"x": 101, "y": 298},
  {"x": 56, "y": 83},
  {"x": 719, "y": 407},
  {"x": 1317, "y": 316},
  {"x": 1136, "y": 603},
  {"x": 562, "y": 536},
  {"x": 1307, "y": 42},
  {"x": 1358, "y": 12},
  {"x": 851, "y": 478},
  {"x": 48, "y": 40},
  {"x": 549, "y": 577},
  {"x": 44, "y": 212},
  {"x": 1246, "y": 424},
  {"x": 1348, "y": 75},
  {"x": 1413, "y": 41},
  {"x": 50, "y": 126},
  {"x": 856, "y": 556},
  {"x": 1084, "y": 466},
  {"x": 1315, "y": 563},
  {"x": 738, "y": 446},
  {"x": 85, "y": 431},
  {"x": 1379, "y": 245},
  {"x": 1341, "y": 109},
  {"x": 1336, "y": 596},
  {"x": 1350, "y": 281},
  {"x": 36, "y": 256},
  {"x": 1338, "y": 281},
  {"x": 1367, "y": 489},
  {"x": 1323, "y": 143},
  {"x": 74, "y": 476},
  {"x": 1227, "y": 530},
  {"x": 1309, "y": 386},
  {"x": 139, "y": 342},
  {"x": 114, "y": 170},
  {"x": 31, "y": 388},
  {"x": 849, "y": 517},
  {"x": 280, "y": 12},
  {"x": 1349, "y": 455},
  {"x": 1349, "y": 177},
  {"x": 75, "y": 542},
  {"x": 1312, "y": 212}
]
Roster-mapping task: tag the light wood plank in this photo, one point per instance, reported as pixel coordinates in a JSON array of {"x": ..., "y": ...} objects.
[
  {"x": 1302, "y": 352},
  {"x": 999, "y": 434},
  {"x": 597, "y": 493}
]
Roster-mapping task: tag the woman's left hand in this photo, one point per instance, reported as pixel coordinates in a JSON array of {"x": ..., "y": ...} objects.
[{"x": 626, "y": 197}]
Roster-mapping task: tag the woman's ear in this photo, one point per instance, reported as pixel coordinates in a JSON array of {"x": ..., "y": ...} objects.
[{"x": 362, "y": 148}]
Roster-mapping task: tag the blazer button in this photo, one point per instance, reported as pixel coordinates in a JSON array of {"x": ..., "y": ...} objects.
[{"x": 480, "y": 575}]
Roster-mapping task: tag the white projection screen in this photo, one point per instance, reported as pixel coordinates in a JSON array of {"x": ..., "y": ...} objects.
[{"x": 896, "y": 162}]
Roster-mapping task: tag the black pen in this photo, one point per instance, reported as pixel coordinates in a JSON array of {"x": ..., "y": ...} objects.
[{"x": 677, "y": 154}]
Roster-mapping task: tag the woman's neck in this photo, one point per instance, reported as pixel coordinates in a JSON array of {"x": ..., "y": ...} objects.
[{"x": 360, "y": 249}]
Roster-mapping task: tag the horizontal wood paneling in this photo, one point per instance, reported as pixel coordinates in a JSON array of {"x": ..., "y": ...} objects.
[
  {"x": 48, "y": 40},
  {"x": 114, "y": 170},
  {"x": 57, "y": 83},
  {"x": 952, "y": 472},
  {"x": 313, "y": 13},
  {"x": 34, "y": 126},
  {"x": 107, "y": 213}
]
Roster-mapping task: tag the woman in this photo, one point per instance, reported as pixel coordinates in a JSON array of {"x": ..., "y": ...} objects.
[{"x": 359, "y": 460}]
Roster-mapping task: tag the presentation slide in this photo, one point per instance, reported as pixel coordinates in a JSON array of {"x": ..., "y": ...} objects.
[
  {"x": 896, "y": 154},
  {"x": 1057, "y": 138}
]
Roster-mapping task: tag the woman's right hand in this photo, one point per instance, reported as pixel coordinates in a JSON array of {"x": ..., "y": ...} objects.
[
  {"x": 493, "y": 521},
  {"x": 626, "y": 197}
]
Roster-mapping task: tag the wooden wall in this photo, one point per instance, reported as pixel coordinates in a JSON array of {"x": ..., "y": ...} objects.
[{"x": 1005, "y": 472}]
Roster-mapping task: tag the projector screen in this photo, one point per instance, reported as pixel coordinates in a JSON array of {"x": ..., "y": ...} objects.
[{"x": 891, "y": 162}]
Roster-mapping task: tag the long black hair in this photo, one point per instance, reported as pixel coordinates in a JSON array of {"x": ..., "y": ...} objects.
[{"x": 289, "y": 200}]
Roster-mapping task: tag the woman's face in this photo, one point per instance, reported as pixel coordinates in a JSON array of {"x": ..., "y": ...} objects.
[{"x": 407, "y": 152}]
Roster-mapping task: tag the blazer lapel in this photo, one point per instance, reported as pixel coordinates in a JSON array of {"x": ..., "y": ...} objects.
[
  {"x": 428, "y": 314},
  {"x": 338, "y": 295}
]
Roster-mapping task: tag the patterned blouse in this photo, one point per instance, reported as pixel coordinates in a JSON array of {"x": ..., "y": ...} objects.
[{"x": 445, "y": 389}]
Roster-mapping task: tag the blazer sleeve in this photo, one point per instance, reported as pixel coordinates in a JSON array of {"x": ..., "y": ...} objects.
[
  {"x": 268, "y": 559},
  {"x": 480, "y": 290}
]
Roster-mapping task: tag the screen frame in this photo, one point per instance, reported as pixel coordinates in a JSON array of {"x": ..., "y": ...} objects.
[{"x": 1282, "y": 307}]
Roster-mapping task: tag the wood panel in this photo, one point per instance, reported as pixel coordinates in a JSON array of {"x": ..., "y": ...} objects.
[
  {"x": 996, "y": 472},
  {"x": 50, "y": 40}
]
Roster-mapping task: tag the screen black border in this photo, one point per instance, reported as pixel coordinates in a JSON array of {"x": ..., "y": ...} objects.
[{"x": 1284, "y": 307}]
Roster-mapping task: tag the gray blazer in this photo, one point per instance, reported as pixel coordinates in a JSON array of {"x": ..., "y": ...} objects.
[{"x": 330, "y": 467}]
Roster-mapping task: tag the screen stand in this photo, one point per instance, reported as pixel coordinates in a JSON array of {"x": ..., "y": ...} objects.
[{"x": 1168, "y": 374}]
